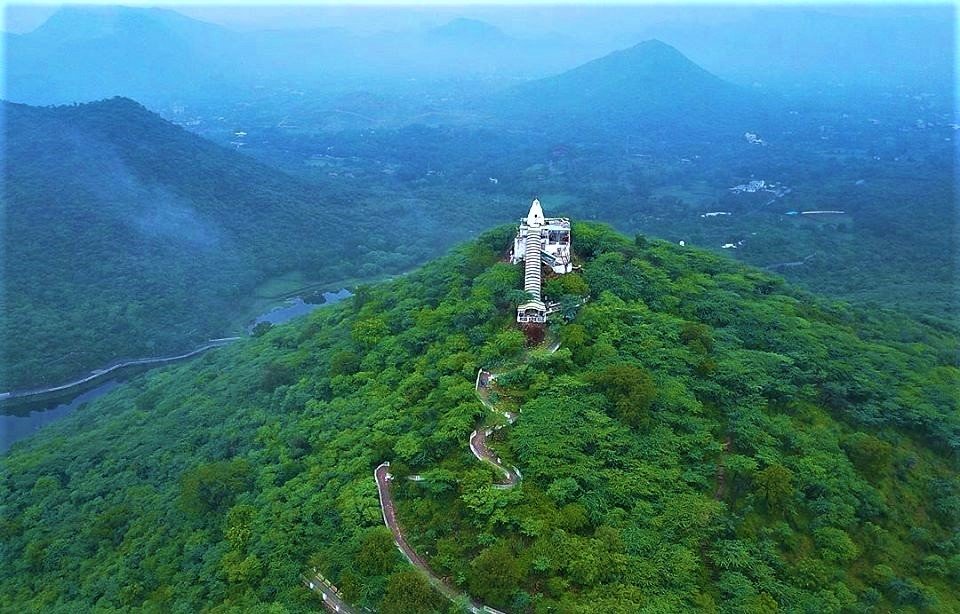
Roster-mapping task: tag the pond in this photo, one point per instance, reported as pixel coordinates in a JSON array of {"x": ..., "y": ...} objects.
[{"x": 296, "y": 306}]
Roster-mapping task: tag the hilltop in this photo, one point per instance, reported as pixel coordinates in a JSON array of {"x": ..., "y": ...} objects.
[
  {"x": 706, "y": 437},
  {"x": 86, "y": 53},
  {"x": 472, "y": 31},
  {"x": 650, "y": 87},
  {"x": 135, "y": 237}
]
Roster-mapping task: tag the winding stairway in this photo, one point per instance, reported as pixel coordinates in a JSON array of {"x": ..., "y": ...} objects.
[{"x": 478, "y": 446}]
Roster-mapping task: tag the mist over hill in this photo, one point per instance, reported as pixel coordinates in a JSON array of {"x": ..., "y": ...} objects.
[
  {"x": 128, "y": 236},
  {"x": 798, "y": 48},
  {"x": 648, "y": 88},
  {"x": 468, "y": 30},
  {"x": 162, "y": 57},
  {"x": 87, "y": 53}
]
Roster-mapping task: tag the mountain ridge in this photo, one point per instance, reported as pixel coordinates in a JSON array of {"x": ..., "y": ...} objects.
[
  {"x": 466, "y": 29},
  {"x": 154, "y": 234},
  {"x": 96, "y": 21}
]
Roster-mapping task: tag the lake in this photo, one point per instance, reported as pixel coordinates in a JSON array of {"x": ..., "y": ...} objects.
[
  {"x": 297, "y": 307},
  {"x": 14, "y": 428}
]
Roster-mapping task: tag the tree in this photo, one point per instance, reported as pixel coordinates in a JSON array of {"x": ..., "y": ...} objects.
[
  {"x": 775, "y": 485},
  {"x": 573, "y": 517},
  {"x": 869, "y": 454},
  {"x": 518, "y": 297},
  {"x": 261, "y": 328},
  {"x": 277, "y": 373},
  {"x": 494, "y": 574},
  {"x": 571, "y": 283},
  {"x": 241, "y": 569},
  {"x": 211, "y": 487},
  {"x": 377, "y": 554},
  {"x": 344, "y": 362},
  {"x": 835, "y": 544},
  {"x": 630, "y": 388},
  {"x": 408, "y": 592},
  {"x": 238, "y": 528},
  {"x": 370, "y": 331},
  {"x": 569, "y": 305},
  {"x": 573, "y": 336},
  {"x": 697, "y": 336}
]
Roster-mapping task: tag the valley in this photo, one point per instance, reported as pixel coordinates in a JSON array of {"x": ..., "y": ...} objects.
[{"x": 125, "y": 224}]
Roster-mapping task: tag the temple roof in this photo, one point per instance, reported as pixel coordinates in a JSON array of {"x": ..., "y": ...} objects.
[{"x": 535, "y": 217}]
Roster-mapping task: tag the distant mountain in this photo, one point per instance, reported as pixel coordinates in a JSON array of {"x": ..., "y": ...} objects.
[
  {"x": 799, "y": 48},
  {"x": 85, "y": 53},
  {"x": 72, "y": 23},
  {"x": 651, "y": 86},
  {"x": 161, "y": 57},
  {"x": 129, "y": 236},
  {"x": 464, "y": 30}
]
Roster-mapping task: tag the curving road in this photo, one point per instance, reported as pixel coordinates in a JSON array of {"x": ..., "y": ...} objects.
[
  {"x": 213, "y": 343},
  {"x": 478, "y": 445},
  {"x": 383, "y": 477},
  {"x": 480, "y": 449}
]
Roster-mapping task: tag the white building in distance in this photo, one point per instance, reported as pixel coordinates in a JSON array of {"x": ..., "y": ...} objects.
[{"x": 540, "y": 240}]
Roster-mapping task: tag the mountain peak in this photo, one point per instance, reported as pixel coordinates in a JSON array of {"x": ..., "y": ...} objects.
[
  {"x": 649, "y": 64},
  {"x": 650, "y": 84},
  {"x": 650, "y": 57},
  {"x": 120, "y": 102},
  {"x": 85, "y": 22},
  {"x": 465, "y": 29},
  {"x": 655, "y": 45}
]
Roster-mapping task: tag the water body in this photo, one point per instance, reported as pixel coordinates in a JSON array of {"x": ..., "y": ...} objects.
[
  {"x": 296, "y": 307},
  {"x": 14, "y": 427}
]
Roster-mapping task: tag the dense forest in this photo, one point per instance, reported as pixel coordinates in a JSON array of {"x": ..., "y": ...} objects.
[
  {"x": 129, "y": 237},
  {"x": 747, "y": 399},
  {"x": 707, "y": 437}
]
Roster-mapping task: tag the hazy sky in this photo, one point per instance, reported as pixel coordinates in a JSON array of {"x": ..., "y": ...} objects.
[{"x": 615, "y": 17}]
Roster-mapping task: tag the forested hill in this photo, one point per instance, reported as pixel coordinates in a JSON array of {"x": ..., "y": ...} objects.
[
  {"x": 129, "y": 236},
  {"x": 648, "y": 89},
  {"x": 705, "y": 438},
  {"x": 88, "y": 52}
]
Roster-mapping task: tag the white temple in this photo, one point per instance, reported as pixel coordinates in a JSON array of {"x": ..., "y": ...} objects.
[{"x": 540, "y": 240}]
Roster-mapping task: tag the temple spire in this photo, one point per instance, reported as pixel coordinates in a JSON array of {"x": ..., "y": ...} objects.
[{"x": 535, "y": 217}]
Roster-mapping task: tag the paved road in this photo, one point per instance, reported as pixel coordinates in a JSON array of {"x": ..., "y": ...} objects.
[
  {"x": 214, "y": 343},
  {"x": 478, "y": 445},
  {"x": 331, "y": 599},
  {"x": 383, "y": 477},
  {"x": 780, "y": 265}
]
